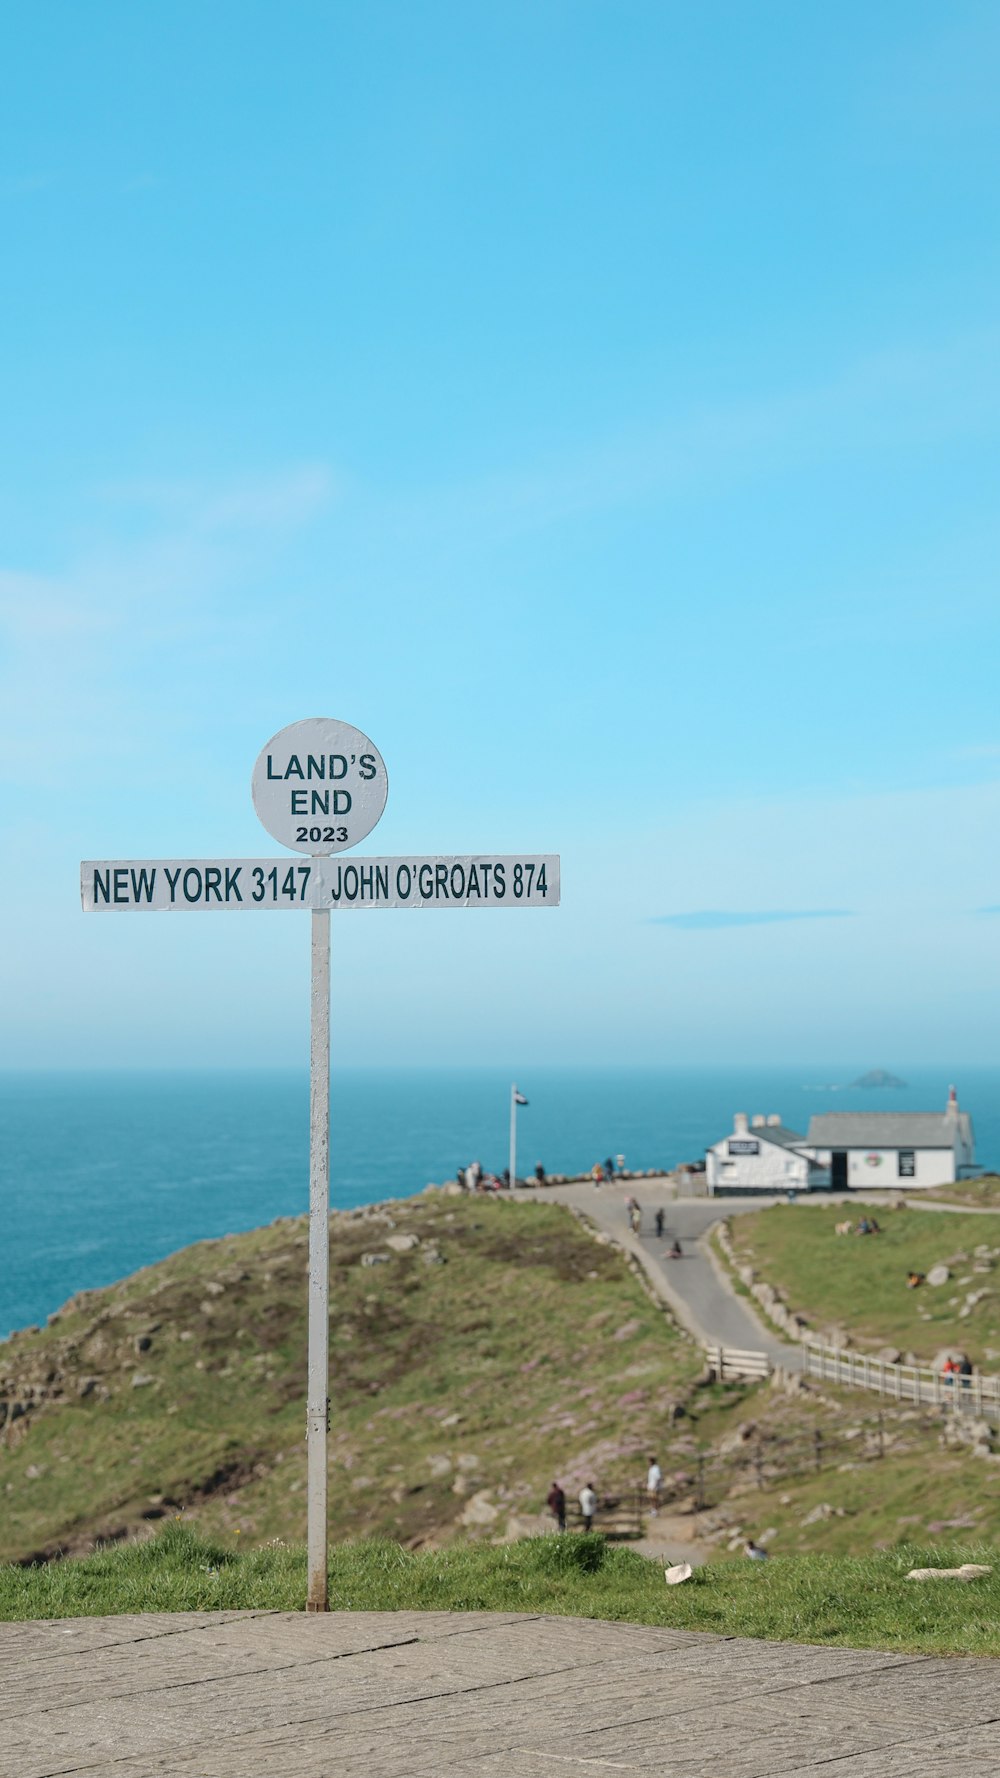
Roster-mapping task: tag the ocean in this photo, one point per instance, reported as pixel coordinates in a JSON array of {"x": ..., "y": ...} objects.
[{"x": 103, "y": 1173}]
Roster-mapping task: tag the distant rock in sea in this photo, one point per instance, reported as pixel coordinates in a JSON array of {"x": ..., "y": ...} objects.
[{"x": 878, "y": 1077}]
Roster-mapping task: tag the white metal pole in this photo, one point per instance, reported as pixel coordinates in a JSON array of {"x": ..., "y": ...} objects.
[
  {"x": 513, "y": 1137},
  {"x": 318, "y": 1399}
]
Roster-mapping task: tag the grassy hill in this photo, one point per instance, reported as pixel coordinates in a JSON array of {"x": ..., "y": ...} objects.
[
  {"x": 500, "y": 1347},
  {"x": 859, "y": 1283},
  {"x": 478, "y": 1348}
]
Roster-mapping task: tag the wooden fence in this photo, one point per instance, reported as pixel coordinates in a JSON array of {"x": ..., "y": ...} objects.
[
  {"x": 918, "y": 1383},
  {"x": 729, "y": 1363}
]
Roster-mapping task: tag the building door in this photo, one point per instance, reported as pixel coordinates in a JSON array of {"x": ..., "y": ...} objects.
[{"x": 838, "y": 1170}]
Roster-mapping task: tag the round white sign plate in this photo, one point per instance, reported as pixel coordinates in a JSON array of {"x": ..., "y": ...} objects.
[{"x": 319, "y": 786}]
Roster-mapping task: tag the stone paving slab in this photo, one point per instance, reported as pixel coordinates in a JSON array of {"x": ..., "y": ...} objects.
[{"x": 423, "y": 1694}]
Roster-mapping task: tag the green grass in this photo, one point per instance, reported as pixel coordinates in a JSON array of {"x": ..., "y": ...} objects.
[
  {"x": 860, "y": 1602},
  {"x": 859, "y": 1283},
  {"x": 529, "y": 1351},
  {"x": 981, "y": 1194}
]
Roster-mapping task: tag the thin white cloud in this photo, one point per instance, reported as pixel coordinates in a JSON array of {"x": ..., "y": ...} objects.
[{"x": 285, "y": 499}]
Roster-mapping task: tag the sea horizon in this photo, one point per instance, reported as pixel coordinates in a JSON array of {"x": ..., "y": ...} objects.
[{"x": 105, "y": 1171}]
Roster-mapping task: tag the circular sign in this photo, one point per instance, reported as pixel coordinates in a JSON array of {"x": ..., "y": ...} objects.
[{"x": 319, "y": 786}]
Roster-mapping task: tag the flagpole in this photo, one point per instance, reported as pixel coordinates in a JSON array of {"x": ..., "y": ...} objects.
[{"x": 513, "y": 1136}]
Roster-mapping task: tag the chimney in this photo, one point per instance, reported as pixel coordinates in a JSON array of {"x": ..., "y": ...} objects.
[
  {"x": 952, "y": 1109},
  {"x": 774, "y": 1119},
  {"x": 757, "y": 1121},
  {"x": 740, "y": 1124}
]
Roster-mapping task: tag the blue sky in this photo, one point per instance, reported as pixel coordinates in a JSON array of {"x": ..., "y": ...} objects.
[{"x": 595, "y": 403}]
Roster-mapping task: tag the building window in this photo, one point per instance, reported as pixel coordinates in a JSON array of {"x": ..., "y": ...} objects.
[{"x": 907, "y": 1163}]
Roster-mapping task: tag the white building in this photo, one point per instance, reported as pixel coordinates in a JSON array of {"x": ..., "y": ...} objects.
[
  {"x": 761, "y": 1155},
  {"x": 844, "y": 1150},
  {"x": 911, "y": 1148}
]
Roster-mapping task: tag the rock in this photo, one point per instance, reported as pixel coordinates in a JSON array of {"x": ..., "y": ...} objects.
[
  {"x": 140, "y": 1379},
  {"x": 479, "y": 1510},
  {"x": 452, "y": 1189},
  {"x": 375, "y": 1259},
  {"x": 938, "y": 1275},
  {"x": 452, "y": 1420},
  {"x": 33, "y": 1471},
  {"x": 468, "y": 1463},
  {"x": 432, "y": 1256},
  {"x": 214, "y": 1288},
  {"x": 823, "y": 1511},
  {"x": 439, "y": 1464},
  {"x": 402, "y": 1243},
  {"x": 738, "y": 1437},
  {"x": 968, "y": 1571},
  {"x": 889, "y": 1355}
]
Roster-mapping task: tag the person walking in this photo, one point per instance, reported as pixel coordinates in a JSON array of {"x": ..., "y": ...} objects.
[
  {"x": 557, "y": 1505},
  {"x": 654, "y": 1482},
  {"x": 660, "y": 1220},
  {"x": 588, "y": 1506},
  {"x": 539, "y": 1173}
]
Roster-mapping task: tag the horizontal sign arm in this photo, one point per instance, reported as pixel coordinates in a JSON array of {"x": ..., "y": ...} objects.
[{"x": 189, "y": 885}]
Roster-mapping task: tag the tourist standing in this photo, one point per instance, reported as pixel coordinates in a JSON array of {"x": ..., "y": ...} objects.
[
  {"x": 588, "y": 1506},
  {"x": 654, "y": 1482},
  {"x": 557, "y": 1505}
]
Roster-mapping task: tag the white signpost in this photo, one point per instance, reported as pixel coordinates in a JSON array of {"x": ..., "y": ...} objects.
[{"x": 319, "y": 787}]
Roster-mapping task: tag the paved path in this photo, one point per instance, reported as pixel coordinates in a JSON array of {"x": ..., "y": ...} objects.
[
  {"x": 473, "y": 1695},
  {"x": 695, "y": 1288}
]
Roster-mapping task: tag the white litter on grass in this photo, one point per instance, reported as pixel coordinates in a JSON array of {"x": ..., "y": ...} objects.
[
  {"x": 680, "y": 1571},
  {"x": 968, "y": 1571}
]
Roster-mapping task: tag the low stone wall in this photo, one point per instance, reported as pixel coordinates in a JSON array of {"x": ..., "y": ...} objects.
[{"x": 795, "y": 1327}]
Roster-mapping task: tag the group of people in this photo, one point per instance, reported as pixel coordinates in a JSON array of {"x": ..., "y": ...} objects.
[
  {"x": 587, "y": 1498},
  {"x": 957, "y": 1367},
  {"x": 600, "y": 1172},
  {"x": 475, "y": 1179}
]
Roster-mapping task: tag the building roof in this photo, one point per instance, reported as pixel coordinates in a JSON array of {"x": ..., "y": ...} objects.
[
  {"x": 778, "y": 1133},
  {"x": 888, "y": 1129}
]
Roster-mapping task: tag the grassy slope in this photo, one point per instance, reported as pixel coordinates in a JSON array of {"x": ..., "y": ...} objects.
[
  {"x": 982, "y": 1194},
  {"x": 920, "y": 1490},
  {"x": 860, "y": 1283},
  {"x": 530, "y": 1351},
  {"x": 863, "y": 1603}
]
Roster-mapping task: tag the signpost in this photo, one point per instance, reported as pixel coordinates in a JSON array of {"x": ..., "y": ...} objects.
[{"x": 319, "y": 787}]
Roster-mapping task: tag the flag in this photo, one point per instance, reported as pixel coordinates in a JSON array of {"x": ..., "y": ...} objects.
[{"x": 519, "y": 1098}]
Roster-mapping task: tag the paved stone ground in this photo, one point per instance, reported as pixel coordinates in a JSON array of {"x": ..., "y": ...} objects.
[{"x": 473, "y": 1695}]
